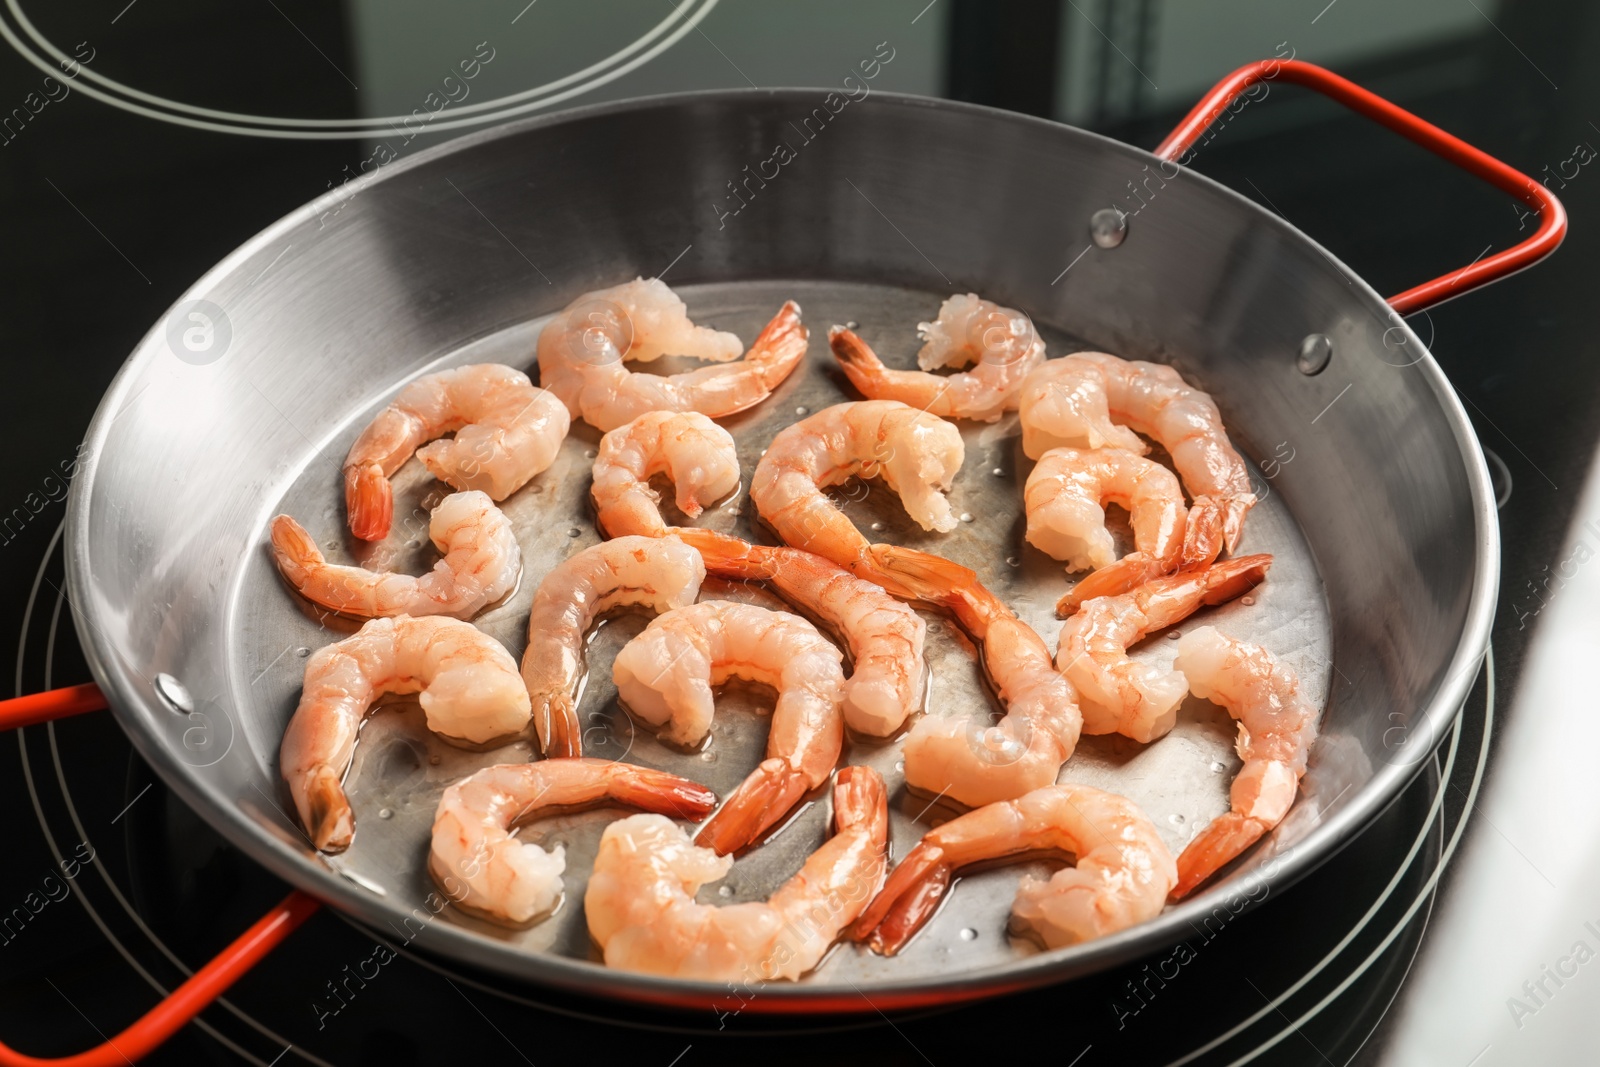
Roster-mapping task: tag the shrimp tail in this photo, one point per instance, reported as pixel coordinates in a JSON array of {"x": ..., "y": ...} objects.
[
  {"x": 329, "y": 819},
  {"x": 915, "y": 575},
  {"x": 556, "y": 722},
  {"x": 1167, "y": 600},
  {"x": 1204, "y": 534},
  {"x": 294, "y": 550},
  {"x": 908, "y": 900},
  {"x": 861, "y": 799},
  {"x": 1227, "y": 836},
  {"x": 780, "y": 347},
  {"x": 656, "y": 791},
  {"x": 858, "y": 361},
  {"x": 726, "y": 556},
  {"x": 1234, "y": 509},
  {"x": 1129, "y": 572},
  {"x": 369, "y": 498},
  {"x": 763, "y": 798}
]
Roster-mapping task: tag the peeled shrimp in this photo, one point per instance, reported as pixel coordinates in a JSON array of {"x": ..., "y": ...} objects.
[
  {"x": 659, "y": 573},
  {"x": 1121, "y": 879},
  {"x": 480, "y": 565},
  {"x": 484, "y": 869},
  {"x": 1120, "y": 695},
  {"x": 506, "y": 431},
  {"x": 1063, "y": 403},
  {"x": 583, "y": 351},
  {"x": 1277, "y": 727},
  {"x": 1002, "y": 343},
  {"x": 953, "y": 756},
  {"x": 641, "y": 905},
  {"x": 665, "y": 675},
  {"x": 1066, "y": 401},
  {"x": 916, "y": 453},
  {"x": 699, "y": 455},
  {"x": 884, "y": 636},
  {"x": 468, "y": 688},
  {"x": 1063, "y": 500}
]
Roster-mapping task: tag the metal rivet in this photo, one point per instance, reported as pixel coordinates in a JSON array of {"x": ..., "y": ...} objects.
[
  {"x": 175, "y": 693},
  {"x": 1108, "y": 227},
  {"x": 1315, "y": 351}
]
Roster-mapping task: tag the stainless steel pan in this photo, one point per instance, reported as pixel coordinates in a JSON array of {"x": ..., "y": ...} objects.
[{"x": 1376, "y": 498}]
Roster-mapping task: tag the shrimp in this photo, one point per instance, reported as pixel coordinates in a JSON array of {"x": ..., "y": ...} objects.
[
  {"x": 916, "y": 453},
  {"x": 506, "y": 431},
  {"x": 480, "y": 566},
  {"x": 659, "y": 573},
  {"x": 884, "y": 636},
  {"x": 469, "y": 690},
  {"x": 1063, "y": 403},
  {"x": 485, "y": 870},
  {"x": 1024, "y": 750},
  {"x": 665, "y": 675},
  {"x": 1063, "y": 500},
  {"x": 1277, "y": 727},
  {"x": 583, "y": 350},
  {"x": 1002, "y": 343},
  {"x": 699, "y": 454},
  {"x": 1121, "y": 879},
  {"x": 1125, "y": 696},
  {"x": 641, "y": 908}
]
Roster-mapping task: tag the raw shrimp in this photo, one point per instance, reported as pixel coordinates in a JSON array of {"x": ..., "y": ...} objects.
[
  {"x": 1065, "y": 403},
  {"x": 1277, "y": 727},
  {"x": 483, "y": 868},
  {"x": 584, "y": 349},
  {"x": 1063, "y": 500},
  {"x": 665, "y": 675},
  {"x": 1121, "y": 879},
  {"x": 1002, "y": 343},
  {"x": 1121, "y": 695},
  {"x": 884, "y": 636},
  {"x": 506, "y": 431},
  {"x": 698, "y": 454},
  {"x": 916, "y": 453},
  {"x": 469, "y": 690},
  {"x": 641, "y": 905},
  {"x": 480, "y": 566},
  {"x": 953, "y": 756},
  {"x": 659, "y": 573}
]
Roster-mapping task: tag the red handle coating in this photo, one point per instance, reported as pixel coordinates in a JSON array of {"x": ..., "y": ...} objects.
[
  {"x": 189, "y": 999},
  {"x": 55, "y": 704},
  {"x": 206, "y": 984},
  {"x": 1552, "y": 216}
]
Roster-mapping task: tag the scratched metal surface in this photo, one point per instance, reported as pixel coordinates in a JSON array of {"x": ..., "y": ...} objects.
[{"x": 400, "y": 768}]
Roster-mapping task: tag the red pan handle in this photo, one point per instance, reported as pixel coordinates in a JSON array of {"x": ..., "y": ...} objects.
[
  {"x": 1552, "y": 216},
  {"x": 206, "y": 984},
  {"x": 189, "y": 999}
]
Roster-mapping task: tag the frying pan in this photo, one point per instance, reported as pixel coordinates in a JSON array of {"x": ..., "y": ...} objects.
[{"x": 1376, "y": 504}]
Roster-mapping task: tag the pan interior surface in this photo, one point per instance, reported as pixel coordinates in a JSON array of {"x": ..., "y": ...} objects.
[
  {"x": 401, "y": 769},
  {"x": 1375, "y": 496}
]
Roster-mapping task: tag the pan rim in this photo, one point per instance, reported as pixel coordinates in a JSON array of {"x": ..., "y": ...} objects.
[{"x": 125, "y": 690}]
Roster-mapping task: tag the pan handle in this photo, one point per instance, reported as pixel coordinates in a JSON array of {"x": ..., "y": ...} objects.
[
  {"x": 1552, "y": 216},
  {"x": 202, "y": 987},
  {"x": 52, "y": 704},
  {"x": 189, "y": 999}
]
